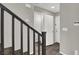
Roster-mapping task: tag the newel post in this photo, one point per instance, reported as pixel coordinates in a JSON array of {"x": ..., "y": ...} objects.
[
  {"x": 43, "y": 43},
  {"x": 2, "y": 31}
]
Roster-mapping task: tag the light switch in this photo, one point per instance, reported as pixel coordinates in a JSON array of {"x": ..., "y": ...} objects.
[{"x": 65, "y": 29}]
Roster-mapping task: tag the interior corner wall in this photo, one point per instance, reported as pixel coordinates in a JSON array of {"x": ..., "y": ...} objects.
[{"x": 69, "y": 13}]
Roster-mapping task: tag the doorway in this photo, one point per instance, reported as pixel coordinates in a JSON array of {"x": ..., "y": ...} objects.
[{"x": 45, "y": 21}]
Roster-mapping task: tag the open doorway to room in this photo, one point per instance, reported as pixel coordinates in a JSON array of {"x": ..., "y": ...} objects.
[{"x": 49, "y": 21}]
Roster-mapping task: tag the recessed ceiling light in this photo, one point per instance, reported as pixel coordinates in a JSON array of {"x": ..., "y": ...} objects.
[
  {"x": 53, "y": 7},
  {"x": 28, "y": 5}
]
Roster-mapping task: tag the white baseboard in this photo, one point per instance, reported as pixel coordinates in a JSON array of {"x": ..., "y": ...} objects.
[{"x": 63, "y": 53}]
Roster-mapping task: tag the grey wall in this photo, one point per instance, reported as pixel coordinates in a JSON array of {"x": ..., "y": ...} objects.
[{"x": 69, "y": 13}]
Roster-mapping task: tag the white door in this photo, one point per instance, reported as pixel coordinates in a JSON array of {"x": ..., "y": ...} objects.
[
  {"x": 57, "y": 29},
  {"x": 48, "y": 19}
]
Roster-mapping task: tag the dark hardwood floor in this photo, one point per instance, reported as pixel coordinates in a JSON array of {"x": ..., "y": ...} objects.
[
  {"x": 50, "y": 50},
  {"x": 53, "y": 49}
]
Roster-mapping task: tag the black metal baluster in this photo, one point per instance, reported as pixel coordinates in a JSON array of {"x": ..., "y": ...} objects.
[
  {"x": 21, "y": 38},
  {"x": 28, "y": 41},
  {"x": 33, "y": 42},
  {"x": 2, "y": 31},
  {"x": 13, "y": 52},
  {"x": 43, "y": 43},
  {"x": 38, "y": 44}
]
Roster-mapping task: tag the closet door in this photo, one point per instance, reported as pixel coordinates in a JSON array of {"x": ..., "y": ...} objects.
[
  {"x": 57, "y": 29},
  {"x": 48, "y": 19}
]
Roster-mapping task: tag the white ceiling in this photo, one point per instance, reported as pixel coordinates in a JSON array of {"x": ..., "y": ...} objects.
[{"x": 48, "y": 6}]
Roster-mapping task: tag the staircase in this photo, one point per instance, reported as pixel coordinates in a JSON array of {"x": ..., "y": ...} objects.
[{"x": 38, "y": 49}]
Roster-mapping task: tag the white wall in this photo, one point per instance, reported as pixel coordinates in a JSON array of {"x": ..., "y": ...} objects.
[
  {"x": 69, "y": 13},
  {"x": 38, "y": 19}
]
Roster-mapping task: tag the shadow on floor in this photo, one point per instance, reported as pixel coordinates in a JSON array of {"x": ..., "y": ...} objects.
[{"x": 53, "y": 49}]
